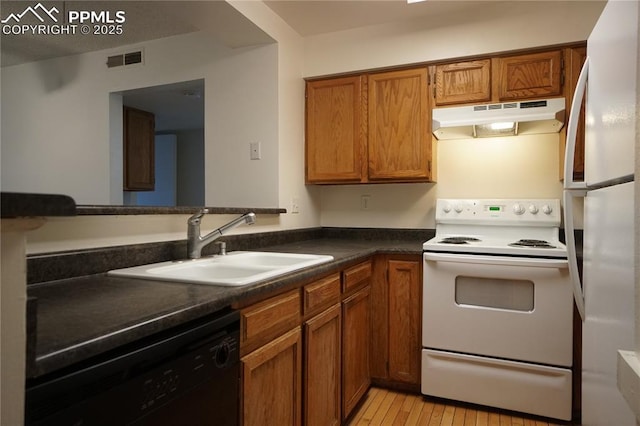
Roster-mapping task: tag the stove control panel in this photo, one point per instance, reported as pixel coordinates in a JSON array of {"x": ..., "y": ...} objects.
[{"x": 544, "y": 212}]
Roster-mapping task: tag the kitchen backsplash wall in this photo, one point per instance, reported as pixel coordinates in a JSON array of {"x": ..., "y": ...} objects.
[{"x": 508, "y": 167}]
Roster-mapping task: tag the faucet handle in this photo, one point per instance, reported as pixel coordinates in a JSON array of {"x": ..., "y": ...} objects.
[
  {"x": 195, "y": 218},
  {"x": 222, "y": 248}
]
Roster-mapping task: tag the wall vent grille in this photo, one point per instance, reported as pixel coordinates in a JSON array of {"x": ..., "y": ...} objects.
[{"x": 130, "y": 58}]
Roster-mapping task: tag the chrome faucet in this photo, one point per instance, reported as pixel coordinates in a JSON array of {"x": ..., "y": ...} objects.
[{"x": 196, "y": 242}]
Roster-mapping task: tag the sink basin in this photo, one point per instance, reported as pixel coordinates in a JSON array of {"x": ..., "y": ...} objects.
[{"x": 234, "y": 269}]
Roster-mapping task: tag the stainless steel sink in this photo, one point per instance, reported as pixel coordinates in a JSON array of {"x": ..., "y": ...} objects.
[{"x": 234, "y": 269}]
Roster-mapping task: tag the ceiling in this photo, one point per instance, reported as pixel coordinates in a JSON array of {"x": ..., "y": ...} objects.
[
  {"x": 312, "y": 17},
  {"x": 149, "y": 20},
  {"x": 154, "y": 19},
  {"x": 144, "y": 20}
]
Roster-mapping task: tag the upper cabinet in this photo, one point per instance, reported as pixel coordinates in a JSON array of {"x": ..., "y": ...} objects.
[
  {"x": 536, "y": 75},
  {"x": 499, "y": 79},
  {"x": 369, "y": 128},
  {"x": 335, "y": 138},
  {"x": 463, "y": 82},
  {"x": 399, "y": 127},
  {"x": 138, "y": 149},
  {"x": 375, "y": 127}
]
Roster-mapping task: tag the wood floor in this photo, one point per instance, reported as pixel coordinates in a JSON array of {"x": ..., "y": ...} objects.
[{"x": 384, "y": 407}]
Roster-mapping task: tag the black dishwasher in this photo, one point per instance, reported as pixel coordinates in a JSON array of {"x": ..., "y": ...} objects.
[{"x": 187, "y": 376}]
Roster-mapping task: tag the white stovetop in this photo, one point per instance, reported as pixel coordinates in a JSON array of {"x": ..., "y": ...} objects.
[{"x": 496, "y": 223}]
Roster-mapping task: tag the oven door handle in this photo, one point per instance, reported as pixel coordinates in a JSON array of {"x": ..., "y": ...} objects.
[{"x": 497, "y": 260}]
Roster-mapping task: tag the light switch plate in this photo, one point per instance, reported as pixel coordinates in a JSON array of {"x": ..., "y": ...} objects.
[{"x": 255, "y": 150}]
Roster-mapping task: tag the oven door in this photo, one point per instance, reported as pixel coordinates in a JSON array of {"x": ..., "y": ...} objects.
[{"x": 506, "y": 307}]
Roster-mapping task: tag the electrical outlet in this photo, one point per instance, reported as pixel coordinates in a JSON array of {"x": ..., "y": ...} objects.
[
  {"x": 365, "y": 201},
  {"x": 295, "y": 205},
  {"x": 255, "y": 150}
]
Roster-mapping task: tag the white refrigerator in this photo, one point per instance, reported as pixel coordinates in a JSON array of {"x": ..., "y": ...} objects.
[{"x": 605, "y": 297}]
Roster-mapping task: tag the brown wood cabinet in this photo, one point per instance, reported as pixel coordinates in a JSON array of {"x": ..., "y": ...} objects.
[
  {"x": 399, "y": 133},
  {"x": 356, "y": 378},
  {"x": 272, "y": 383},
  {"x": 322, "y": 368},
  {"x": 396, "y": 293},
  {"x": 500, "y": 79},
  {"x": 529, "y": 76},
  {"x": 575, "y": 58},
  {"x": 463, "y": 82},
  {"x": 335, "y": 137},
  {"x": 332, "y": 374},
  {"x": 369, "y": 128},
  {"x": 138, "y": 150}
]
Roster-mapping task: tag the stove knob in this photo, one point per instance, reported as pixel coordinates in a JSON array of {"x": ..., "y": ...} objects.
[
  {"x": 458, "y": 208},
  {"x": 546, "y": 209},
  {"x": 533, "y": 209},
  {"x": 446, "y": 208},
  {"x": 518, "y": 209}
]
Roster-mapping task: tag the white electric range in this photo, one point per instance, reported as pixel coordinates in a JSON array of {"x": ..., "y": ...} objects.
[{"x": 498, "y": 306}]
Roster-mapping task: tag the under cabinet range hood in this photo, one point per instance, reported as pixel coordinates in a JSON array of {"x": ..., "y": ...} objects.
[{"x": 506, "y": 119}]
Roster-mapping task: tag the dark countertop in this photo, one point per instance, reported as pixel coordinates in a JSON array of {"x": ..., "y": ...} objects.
[
  {"x": 138, "y": 210},
  {"x": 18, "y": 204},
  {"x": 15, "y": 204},
  {"x": 78, "y": 318}
]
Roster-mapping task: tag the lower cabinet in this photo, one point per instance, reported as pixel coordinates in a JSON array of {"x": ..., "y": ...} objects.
[
  {"x": 355, "y": 349},
  {"x": 396, "y": 321},
  {"x": 272, "y": 383},
  {"x": 322, "y": 368},
  {"x": 305, "y": 353}
]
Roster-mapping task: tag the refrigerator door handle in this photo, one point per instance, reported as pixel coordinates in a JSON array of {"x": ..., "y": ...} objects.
[
  {"x": 578, "y": 293},
  {"x": 572, "y": 128}
]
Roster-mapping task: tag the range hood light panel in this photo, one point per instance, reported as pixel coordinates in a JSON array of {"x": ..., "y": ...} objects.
[
  {"x": 512, "y": 118},
  {"x": 502, "y": 125},
  {"x": 495, "y": 129}
]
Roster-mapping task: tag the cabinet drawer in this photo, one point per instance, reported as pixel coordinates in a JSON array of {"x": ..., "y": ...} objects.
[
  {"x": 266, "y": 320},
  {"x": 321, "y": 293},
  {"x": 355, "y": 276}
]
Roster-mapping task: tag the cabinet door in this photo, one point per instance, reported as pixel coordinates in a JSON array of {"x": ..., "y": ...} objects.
[
  {"x": 322, "y": 368},
  {"x": 271, "y": 382},
  {"x": 463, "y": 82},
  {"x": 529, "y": 76},
  {"x": 335, "y": 138},
  {"x": 575, "y": 60},
  {"x": 404, "y": 320},
  {"x": 138, "y": 150},
  {"x": 399, "y": 133},
  {"x": 355, "y": 349}
]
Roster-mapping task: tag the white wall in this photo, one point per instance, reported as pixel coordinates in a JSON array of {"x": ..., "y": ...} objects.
[
  {"x": 346, "y": 51},
  {"x": 481, "y": 28},
  {"x": 512, "y": 167},
  {"x": 56, "y": 117},
  {"x": 85, "y": 232}
]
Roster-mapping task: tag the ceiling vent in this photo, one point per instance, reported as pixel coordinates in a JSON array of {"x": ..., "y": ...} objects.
[{"x": 130, "y": 58}]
